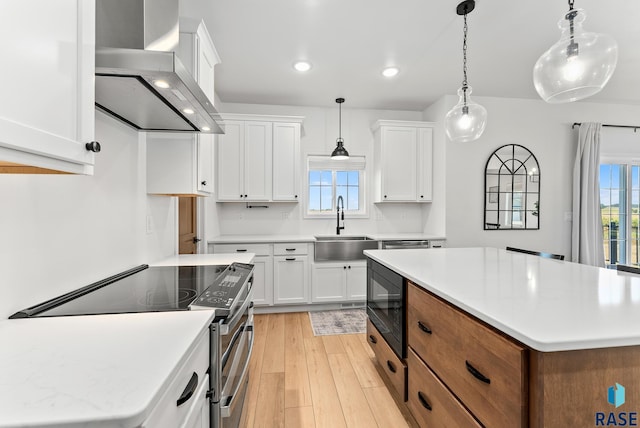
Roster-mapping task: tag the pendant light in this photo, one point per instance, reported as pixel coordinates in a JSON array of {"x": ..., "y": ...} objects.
[
  {"x": 466, "y": 121},
  {"x": 579, "y": 65},
  {"x": 340, "y": 153}
]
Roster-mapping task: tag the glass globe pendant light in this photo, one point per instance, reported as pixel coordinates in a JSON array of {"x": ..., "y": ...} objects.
[
  {"x": 467, "y": 120},
  {"x": 579, "y": 65},
  {"x": 340, "y": 153}
]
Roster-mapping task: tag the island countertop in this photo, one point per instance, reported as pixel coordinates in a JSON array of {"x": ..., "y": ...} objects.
[{"x": 548, "y": 305}]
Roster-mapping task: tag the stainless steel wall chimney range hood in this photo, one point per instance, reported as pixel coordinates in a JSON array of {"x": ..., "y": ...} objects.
[{"x": 139, "y": 78}]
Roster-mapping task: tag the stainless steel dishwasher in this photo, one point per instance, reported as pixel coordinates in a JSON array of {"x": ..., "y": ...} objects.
[{"x": 405, "y": 244}]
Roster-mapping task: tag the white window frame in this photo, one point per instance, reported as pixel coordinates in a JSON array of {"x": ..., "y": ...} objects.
[
  {"x": 629, "y": 162},
  {"x": 325, "y": 163}
]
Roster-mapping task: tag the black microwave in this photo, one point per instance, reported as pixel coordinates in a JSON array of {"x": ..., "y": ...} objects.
[{"x": 386, "y": 292}]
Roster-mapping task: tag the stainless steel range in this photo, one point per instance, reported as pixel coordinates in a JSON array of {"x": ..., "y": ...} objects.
[{"x": 226, "y": 289}]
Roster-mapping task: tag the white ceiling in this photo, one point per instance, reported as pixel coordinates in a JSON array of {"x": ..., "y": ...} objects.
[{"x": 349, "y": 42}]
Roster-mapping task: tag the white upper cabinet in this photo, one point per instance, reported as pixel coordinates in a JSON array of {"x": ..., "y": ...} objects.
[
  {"x": 182, "y": 164},
  {"x": 244, "y": 161},
  {"x": 47, "y": 106},
  {"x": 403, "y": 161},
  {"x": 286, "y": 161},
  {"x": 258, "y": 158}
]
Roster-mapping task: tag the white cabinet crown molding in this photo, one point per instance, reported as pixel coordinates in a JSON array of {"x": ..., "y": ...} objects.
[{"x": 414, "y": 124}]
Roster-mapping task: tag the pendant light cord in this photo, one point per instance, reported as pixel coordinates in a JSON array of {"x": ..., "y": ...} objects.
[
  {"x": 572, "y": 49},
  {"x": 465, "y": 84},
  {"x": 340, "y": 122}
]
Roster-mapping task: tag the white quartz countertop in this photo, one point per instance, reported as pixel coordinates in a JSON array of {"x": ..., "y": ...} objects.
[
  {"x": 205, "y": 259},
  {"x": 93, "y": 371},
  {"x": 405, "y": 236},
  {"x": 547, "y": 304},
  {"x": 226, "y": 239}
]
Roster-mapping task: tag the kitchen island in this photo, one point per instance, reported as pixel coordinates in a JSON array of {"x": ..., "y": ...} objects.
[{"x": 518, "y": 340}]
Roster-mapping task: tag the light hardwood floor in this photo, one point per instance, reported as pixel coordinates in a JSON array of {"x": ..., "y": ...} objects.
[{"x": 299, "y": 380}]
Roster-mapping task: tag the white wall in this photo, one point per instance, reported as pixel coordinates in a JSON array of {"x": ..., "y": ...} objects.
[
  {"x": 61, "y": 232},
  {"x": 320, "y": 133},
  {"x": 544, "y": 129}
]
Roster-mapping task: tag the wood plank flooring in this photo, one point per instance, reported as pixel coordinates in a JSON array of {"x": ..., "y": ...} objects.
[{"x": 299, "y": 380}]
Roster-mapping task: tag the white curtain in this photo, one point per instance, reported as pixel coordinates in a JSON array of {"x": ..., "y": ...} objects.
[{"x": 586, "y": 236}]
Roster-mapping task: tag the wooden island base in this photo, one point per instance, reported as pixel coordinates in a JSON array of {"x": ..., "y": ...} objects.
[{"x": 570, "y": 388}]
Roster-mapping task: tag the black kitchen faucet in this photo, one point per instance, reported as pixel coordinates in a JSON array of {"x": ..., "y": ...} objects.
[{"x": 338, "y": 215}]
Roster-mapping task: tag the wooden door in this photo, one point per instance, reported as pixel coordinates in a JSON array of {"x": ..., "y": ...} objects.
[{"x": 187, "y": 226}]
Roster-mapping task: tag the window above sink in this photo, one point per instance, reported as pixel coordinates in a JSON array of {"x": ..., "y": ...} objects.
[{"x": 328, "y": 179}]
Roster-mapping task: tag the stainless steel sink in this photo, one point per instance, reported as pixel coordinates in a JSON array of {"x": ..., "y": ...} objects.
[{"x": 342, "y": 248}]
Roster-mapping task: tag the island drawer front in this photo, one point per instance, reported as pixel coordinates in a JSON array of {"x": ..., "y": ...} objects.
[
  {"x": 167, "y": 412},
  {"x": 425, "y": 389},
  {"x": 290, "y": 248},
  {"x": 395, "y": 368},
  {"x": 485, "y": 370},
  {"x": 258, "y": 249}
]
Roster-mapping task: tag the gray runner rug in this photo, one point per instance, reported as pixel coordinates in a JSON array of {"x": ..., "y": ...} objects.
[{"x": 345, "y": 321}]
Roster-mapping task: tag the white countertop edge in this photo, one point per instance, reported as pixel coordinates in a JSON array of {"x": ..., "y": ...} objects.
[
  {"x": 204, "y": 259},
  {"x": 601, "y": 342},
  {"x": 244, "y": 239}
]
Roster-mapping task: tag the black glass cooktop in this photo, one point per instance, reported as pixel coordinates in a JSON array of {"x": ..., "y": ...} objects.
[{"x": 147, "y": 289}]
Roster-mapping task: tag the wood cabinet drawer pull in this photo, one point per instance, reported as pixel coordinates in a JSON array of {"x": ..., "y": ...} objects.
[
  {"x": 424, "y": 328},
  {"x": 372, "y": 339},
  {"x": 476, "y": 373},
  {"x": 424, "y": 401},
  {"x": 391, "y": 366}
]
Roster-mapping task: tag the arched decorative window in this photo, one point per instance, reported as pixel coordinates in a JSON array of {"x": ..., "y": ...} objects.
[{"x": 512, "y": 189}]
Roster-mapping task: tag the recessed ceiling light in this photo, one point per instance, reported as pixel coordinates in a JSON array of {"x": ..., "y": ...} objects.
[
  {"x": 187, "y": 111},
  {"x": 161, "y": 84},
  {"x": 390, "y": 71},
  {"x": 302, "y": 66}
]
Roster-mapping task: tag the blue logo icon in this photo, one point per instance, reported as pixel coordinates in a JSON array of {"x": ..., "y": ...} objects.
[{"x": 615, "y": 395}]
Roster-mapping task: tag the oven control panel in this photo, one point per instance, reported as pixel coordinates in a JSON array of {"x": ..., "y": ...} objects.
[{"x": 226, "y": 287}]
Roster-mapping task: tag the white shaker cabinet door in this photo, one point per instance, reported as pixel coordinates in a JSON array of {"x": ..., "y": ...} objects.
[
  {"x": 328, "y": 282},
  {"x": 47, "y": 107},
  {"x": 286, "y": 161},
  {"x": 230, "y": 161},
  {"x": 290, "y": 279},
  {"x": 357, "y": 281},
  {"x": 258, "y": 139},
  {"x": 399, "y": 164},
  {"x": 425, "y": 165}
]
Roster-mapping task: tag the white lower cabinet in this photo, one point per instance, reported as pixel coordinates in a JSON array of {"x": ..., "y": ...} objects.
[
  {"x": 191, "y": 376},
  {"x": 339, "y": 282},
  {"x": 199, "y": 413},
  {"x": 290, "y": 279},
  {"x": 357, "y": 281},
  {"x": 263, "y": 271},
  {"x": 263, "y": 281}
]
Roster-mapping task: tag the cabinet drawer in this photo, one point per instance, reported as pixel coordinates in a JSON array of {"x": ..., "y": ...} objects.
[
  {"x": 395, "y": 369},
  {"x": 258, "y": 249},
  {"x": 167, "y": 412},
  {"x": 291, "y": 248},
  {"x": 429, "y": 400},
  {"x": 485, "y": 370}
]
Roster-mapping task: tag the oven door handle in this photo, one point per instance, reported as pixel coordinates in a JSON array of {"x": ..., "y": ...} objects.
[
  {"x": 226, "y": 327},
  {"x": 226, "y": 410}
]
